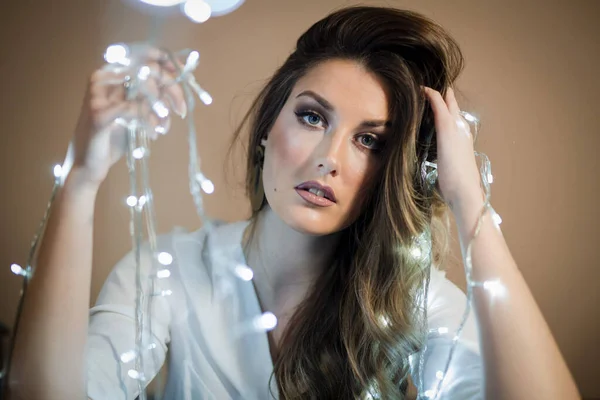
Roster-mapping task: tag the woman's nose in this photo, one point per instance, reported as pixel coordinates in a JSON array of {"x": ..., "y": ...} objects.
[{"x": 330, "y": 154}]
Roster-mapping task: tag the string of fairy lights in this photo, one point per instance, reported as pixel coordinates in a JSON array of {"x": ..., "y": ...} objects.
[{"x": 128, "y": 61}]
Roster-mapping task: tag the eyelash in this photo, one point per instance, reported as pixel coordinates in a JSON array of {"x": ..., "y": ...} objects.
[{"x": 305, "y": 113}]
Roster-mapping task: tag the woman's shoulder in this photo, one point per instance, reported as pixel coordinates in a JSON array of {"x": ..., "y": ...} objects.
[
  {"x": 214, "y": 235},
  {"x": 181, "y": 250}
]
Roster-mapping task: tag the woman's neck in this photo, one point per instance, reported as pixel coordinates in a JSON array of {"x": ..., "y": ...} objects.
[{"x": 285, "y": 262}]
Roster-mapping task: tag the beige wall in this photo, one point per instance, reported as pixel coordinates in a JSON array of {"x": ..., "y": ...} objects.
[{"x": 529, "y": 76}]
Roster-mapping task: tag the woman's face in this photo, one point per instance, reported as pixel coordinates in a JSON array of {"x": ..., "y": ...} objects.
[{"x": 324, "y": 148}]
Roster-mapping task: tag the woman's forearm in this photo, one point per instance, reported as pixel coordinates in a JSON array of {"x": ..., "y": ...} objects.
[
  {"x": 48, "y": 358},
  {"x": 521, "y": 357}
]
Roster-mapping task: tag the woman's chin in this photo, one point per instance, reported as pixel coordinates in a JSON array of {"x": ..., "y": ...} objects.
[{"x": 311, "y": 222}]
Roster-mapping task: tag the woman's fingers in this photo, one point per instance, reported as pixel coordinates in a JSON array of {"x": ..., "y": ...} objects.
[{"x": 451, "y": 102}]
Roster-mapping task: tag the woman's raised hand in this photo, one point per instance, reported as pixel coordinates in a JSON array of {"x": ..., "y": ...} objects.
[{"x": 116, "y": 97}]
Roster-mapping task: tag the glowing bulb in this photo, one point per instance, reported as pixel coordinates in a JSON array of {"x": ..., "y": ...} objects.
[
  {"x": 192, "y": 59},
  {"x": 197, "y": 10},
  {"x": 206, "y": 98},
  {"x": 496, "y": 218},
  {"x": 416, "y": 252},
  {"x": 266, "y": 321},
  {"x": 205, "y": 183},
  {"x": 384, "y": 320},
  {"x": 166, "y": 293},
  {"x": 207, "y": 186},
  {"x": 469, "y": 117},
  {"x": 138, "y": 153},
  {"x": 442, "y": 330},
  {"x": 490, "y": 178},
  {"x": 133, "y": 374},
  {"x": 18, "y": 270},
  {"x": 117, "y": 54},
  {"x": 222, "y": 7},
  {"x": 165, "y": 258},
  {"x": 439, "y": 375},
  {"x": 160, "y": 109},
  {"x": 162, "y": 3},
  {"x": 244, "y": 272},
  {"x": 494, "y": 287},
  {"x": 128, "y": 356},
  {"x": 131, "y": 201},
  {"x": 58, "y": 171},
  {"x": 163, "y": 273},
  {"x": 429, "y": 394},
  {"x": 144, "y": 72},
  {"x": 141, "y": 201}
]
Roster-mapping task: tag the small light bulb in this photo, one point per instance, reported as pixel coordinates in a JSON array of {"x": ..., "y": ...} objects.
[
  {"x": 442, "y": 330},
  {"x": 162, "y": 3},
  {"x": 416, "y": 252},
  {"x": 197, "y": 10},
  {"x": 222, "y": 7},
  {"x": 429, "y": 394},
  {"x": 206, "y": 98},
  {"x": 18, "y": 270},
  {"x": 128, "y": 356},
  {"x": 58, "y": 171},
  {"x": 165, "y": 258},
  {"x": 244, "y": 272},
  {"x": 469, "y": 117},
  {"x": 207, "y": 186},
  {"x": 131, "y": 201},
  {"x": 192, "y": 59},
  {"x": 266, "y": 321},
  {"x": 133, "y": 374},
  {"x": 163, "y": 273},
  {"x": 138, "y": 153},
  {"x": 160, "y": 109},
  {"x": 117, "y": 54},
  {"x": 490, "y": 178},
  {"x": 144, "y": 72},
  {"x": 496, "y": 218},
  {"x": 384, "y": 320},
  {"x": 494, "y": 287},
  {"x": 439, "y": 375},
  {"x": 166, "y": 293}
]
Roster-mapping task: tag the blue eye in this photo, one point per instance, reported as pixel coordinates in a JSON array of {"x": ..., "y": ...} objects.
[
  {"x": 310, "y": 118},
  {"x": 371, "y": 142},
  {"x": 313, "y": 119}
]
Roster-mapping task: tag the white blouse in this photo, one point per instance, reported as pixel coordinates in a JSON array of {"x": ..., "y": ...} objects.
[{"x": 207, "y": 324}]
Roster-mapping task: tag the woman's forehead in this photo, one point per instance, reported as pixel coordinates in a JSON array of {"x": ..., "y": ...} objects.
[{"x": 348, "y": 87}]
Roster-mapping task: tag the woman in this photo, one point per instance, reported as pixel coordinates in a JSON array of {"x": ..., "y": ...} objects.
[{"x": 337, "y": 140}]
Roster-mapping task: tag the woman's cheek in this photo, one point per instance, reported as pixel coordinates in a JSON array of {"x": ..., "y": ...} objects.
[{"x": 292, "y": 148}]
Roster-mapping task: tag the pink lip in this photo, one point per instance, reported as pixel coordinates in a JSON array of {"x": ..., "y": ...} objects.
[
  {"x": 329, "y": 193},
  {"x": 314, "y": 199}
]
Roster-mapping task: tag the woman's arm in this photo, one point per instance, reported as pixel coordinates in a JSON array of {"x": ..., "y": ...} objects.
[
  {"x": 48, "y": 358},
  {"x": 521, "y": 358}
]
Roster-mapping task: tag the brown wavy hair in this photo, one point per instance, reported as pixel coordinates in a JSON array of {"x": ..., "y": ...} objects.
[{"x": 354, "y": 333}]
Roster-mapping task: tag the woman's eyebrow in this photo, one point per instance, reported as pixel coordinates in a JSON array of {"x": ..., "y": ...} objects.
[
  {"x": 326, "y": 105},
  {"x": 376, "y": 124},
  {"x": 329, "y": 107}
]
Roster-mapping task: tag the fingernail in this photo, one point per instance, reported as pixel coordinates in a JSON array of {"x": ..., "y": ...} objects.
[{"x": 182, "y": 110}]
